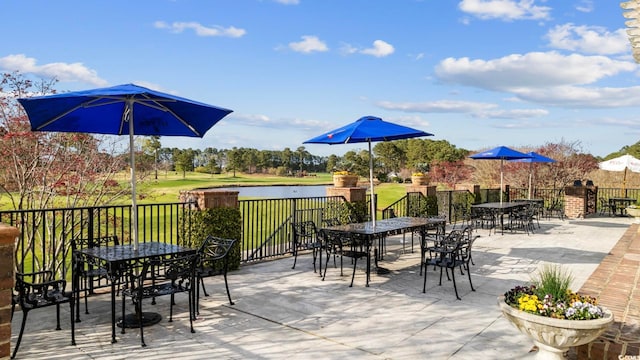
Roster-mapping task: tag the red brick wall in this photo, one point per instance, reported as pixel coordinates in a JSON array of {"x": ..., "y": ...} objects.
[{"x": 8, "y": 236}]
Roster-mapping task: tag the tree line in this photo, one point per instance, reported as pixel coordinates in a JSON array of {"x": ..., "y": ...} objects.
[{"x": 45, "y": 169}]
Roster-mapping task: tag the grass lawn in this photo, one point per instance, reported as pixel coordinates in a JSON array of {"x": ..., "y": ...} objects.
[{"x": 167, "y": 187}]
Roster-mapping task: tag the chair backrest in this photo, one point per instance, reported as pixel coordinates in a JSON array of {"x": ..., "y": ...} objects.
[
  {"x": 467, "y": 232},
  {"x": 464, "y": 251},
  {"x": 83, "y": 243},
  {"x": 179, "y": 271},
  {"x": 214, "y": 254},
  {"x": 304, "y": 232}
]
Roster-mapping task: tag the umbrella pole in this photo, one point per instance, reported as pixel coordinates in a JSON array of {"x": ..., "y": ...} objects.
[
  {"x": 530, "y": 177},
  {"x": 373, "y": 197},
  {"x": 132, "y": 159},
  {"x": 624, "y": 183},
  {"x": 501, "y": 179}
]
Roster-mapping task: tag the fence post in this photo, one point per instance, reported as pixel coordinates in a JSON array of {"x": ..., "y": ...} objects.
[{"x": 8, "y": 236}]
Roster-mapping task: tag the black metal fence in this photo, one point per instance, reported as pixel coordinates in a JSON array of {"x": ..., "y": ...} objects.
[
  {"x": 266, "y": 223},
  {"x": 45, "y": 234}
]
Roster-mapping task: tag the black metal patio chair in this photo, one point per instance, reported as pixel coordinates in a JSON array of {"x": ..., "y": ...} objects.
[
  {"x": 89, "y": 274},
  {"x": 39, "y": 290},
  {"x": 159, "y": 277},
  {"x": 214, "y": 260},
  {"x": 455, "y": 252},
  {"x": 342, "y": 245},
  {"x": 305, "y": 237}
]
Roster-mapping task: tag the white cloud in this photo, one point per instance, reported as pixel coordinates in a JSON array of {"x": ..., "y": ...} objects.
[
  {"x": 512, "y": 114},
  {"x": 534, "y": 77},
  {"x": 200, "y": 30},
  {"x": 532, "y": 70},
  {"x": 585, "y": 6},
  {"x": 507, "y": 10},
  {"x": 584, "y": 97},
  {"x": 288, "y": 2},
  {"x": 308, "y": 45},
  {"x": 380, "y": 49},
  {"x": 65, "y": 72},
  {"x": 347, "y": 49},
  {"x": 441, "y": 106},
  {"x": 475, "y": 109},
  {"x": 264, "y": 121},
  {"x": 588, "y": 39}
]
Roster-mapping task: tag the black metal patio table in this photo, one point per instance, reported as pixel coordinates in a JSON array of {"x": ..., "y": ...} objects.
[
  {"x": 381, "y": 229},
  {"x": 119, "y": 257},
  {"x": 501, "y": 208}
]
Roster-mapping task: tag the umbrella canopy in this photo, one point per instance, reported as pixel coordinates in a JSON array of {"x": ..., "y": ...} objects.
[
  {"x": 122, "y": 110},
  {"x": 535, "y": 158},
  {"x": 501, "y": 153},
  {"x": 367, "y": 129},
  {"x": 621, "y": 163}
]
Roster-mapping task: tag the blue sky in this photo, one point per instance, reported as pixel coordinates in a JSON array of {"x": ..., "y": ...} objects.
[{"x": 477, "y": 73}]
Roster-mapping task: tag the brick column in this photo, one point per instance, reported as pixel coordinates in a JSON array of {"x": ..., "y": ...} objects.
[
  {"x": 210, "y": 198},
  {"x": 8, "y": 236},
  {"x": 351, "y": 194},
  {"x": 426, "y": 190},
  {"x": 575, "y": 202}
]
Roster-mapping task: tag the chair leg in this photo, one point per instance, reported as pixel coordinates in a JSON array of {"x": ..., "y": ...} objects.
[
  {"x": 455, "y": 288},
  {"x": 226, "y": 284},
  {"x": 324, "y": 274},
  {"x": 203, "y": 288},
  {"x": 353, "y": 275},
  {"x": 191, "y": 316},
  {"x": 424, "y": 283},
  {"x": 470, "y": 283},
  {"x": 58, "y": 317},
  {"x": 73, "y": 324},
  {"x": 138, "y": 306},
  {"x": 295, "y": 257},
  {"x": 24, "y": 321}
]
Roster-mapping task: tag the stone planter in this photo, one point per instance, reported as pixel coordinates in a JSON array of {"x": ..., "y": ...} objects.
[
  {"x": 555, "y": 336},
  {"x": 635, "y": 212},
  {"x": 345, "y": 180},
  {"x": 420, "y": 179}
]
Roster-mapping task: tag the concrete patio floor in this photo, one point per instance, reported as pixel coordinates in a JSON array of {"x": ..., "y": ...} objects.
[{"x": 284, "y": 313}]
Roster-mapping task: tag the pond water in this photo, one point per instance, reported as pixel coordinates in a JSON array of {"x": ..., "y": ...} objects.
[{"x": 279, "y": 191}]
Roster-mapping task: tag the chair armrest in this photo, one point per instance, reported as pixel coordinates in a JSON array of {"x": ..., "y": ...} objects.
[{"x": 39, "y": 293}]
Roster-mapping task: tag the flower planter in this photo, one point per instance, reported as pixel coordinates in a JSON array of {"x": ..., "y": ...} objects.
[
  {"x": 345, "y": 180},
  {"x": 420, "y": 180},
  {"x": 555, "y": 336}
]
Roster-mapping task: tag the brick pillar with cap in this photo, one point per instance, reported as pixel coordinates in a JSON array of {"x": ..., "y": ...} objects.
[{"x": 8, "y": 236}]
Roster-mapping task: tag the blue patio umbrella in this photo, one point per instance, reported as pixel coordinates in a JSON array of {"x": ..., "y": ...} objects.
[
  {"x": 535, "y": 158},
  {"x": 501, "y": 153},
  {"x": 122, "y": 110},
  {"x": 367, "y": 129}
]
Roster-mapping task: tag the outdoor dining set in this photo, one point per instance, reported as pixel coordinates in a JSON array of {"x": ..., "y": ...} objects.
[
  {"x": 134, "y": 272},
  {"x": 367, "y": 240}
]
